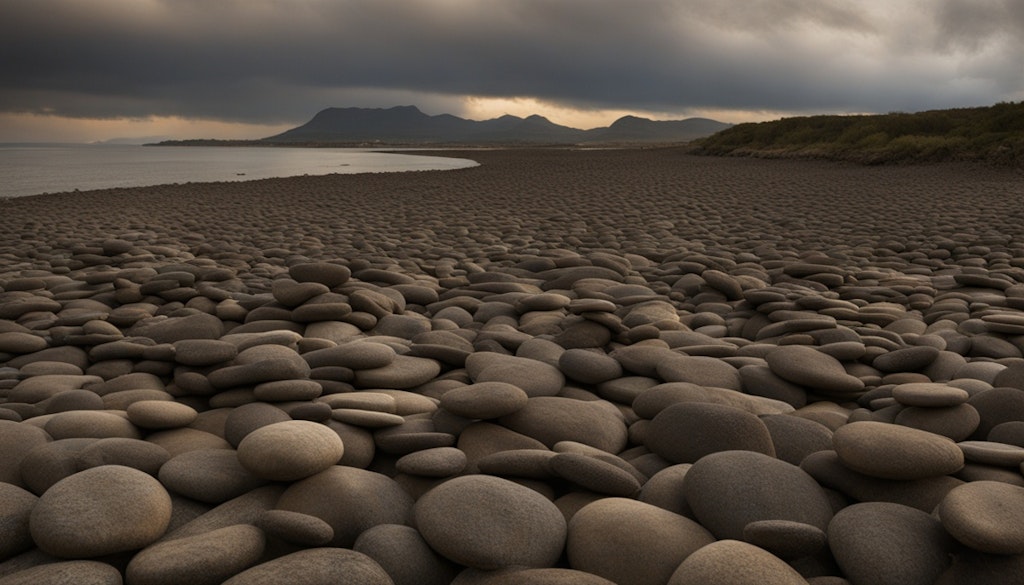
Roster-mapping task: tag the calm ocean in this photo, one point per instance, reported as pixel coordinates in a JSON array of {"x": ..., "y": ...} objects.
[{"x": 30, "y": 169}]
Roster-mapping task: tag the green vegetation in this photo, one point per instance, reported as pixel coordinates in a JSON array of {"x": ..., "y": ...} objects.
[{"x": 992, "y": 134}]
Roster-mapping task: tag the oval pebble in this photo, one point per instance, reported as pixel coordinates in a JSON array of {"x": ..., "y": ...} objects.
[
  {"x": 208, "y": 475},
  {"x": 203, "y": 559},
  {"x": 784, "y": 538},
  {"x": 93, "y": 424},
  {"x": 290, "y": 450},
  {"x": 987, "y": 516},
  {"x": 737, "y": 563},
  {"x": 930, "y": 395},
  {"x": 100, "y": 511},
  {"x": 160, "y": 414},
  {"x": 484, "y": 400},
  {"x": 813, "y": 369},
  {"x": 889, "y": 544},
  {"x": 488, "y": 523},
  {"x": 686, "y": 431},
  {"x": 731, "y": 489},
  {"x": 552, "y": 419},
  {"x": 296, "y": 528},
  {"x": 895, "y": 452},
  {"x": 594, "y": 474},
  {"x": 991, "y": 453},
  {"x": 406, "y": 557},
  {"x": 61, "y": 572},
  {"x": 317, "y": 566},
  {"x": 626, "y": 541},
  {"x": 437, "y": 462},
  {"x": 359, "y": 500},
  {"x": 142, "y": 455}
]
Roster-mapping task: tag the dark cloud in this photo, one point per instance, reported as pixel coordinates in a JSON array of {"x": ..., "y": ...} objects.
[{"x": 273, "y": 61}]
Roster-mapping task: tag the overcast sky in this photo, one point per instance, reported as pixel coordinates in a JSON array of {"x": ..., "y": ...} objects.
[{"x": 97, "y": 69}]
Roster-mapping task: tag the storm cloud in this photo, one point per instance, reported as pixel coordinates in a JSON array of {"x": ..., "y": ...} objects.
[{"x": 278, "y": 61}]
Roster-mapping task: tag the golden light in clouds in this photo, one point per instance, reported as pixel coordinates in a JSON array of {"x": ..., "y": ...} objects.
[
  {"x": 43, "y": 128},
  {"x": 48, "y": 128}
]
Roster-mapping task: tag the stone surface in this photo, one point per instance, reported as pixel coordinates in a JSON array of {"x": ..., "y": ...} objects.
[
  {"x": 737, "y": 563},
  {"x": 100, "y": 511},
  {"x": 290, "y": 450},
  {"x": 350, "y": 500},
  {"x": 552, "y": 419},
  {"x": 895, "y": 452},
  {"x": 885, "y": 543},
  {"x": 731, "y": 489},
  {"x": 204, "y": 559},
  {"x": 686, "y": 431},
  {"x": 317, "y": 566},
  {"x": 487, "y": 522},
  {"x": 813, "y": 369},
  {"x": 987, "y": 516},
  {"x": 626, "y": 541},
  {"x": 406, "y": 557}
]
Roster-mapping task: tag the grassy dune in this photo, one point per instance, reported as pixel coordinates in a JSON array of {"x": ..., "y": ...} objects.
[{"x": 993, "y": 134}]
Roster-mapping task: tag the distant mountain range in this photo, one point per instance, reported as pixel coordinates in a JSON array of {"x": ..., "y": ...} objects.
[{"x": 408, "y": 125}]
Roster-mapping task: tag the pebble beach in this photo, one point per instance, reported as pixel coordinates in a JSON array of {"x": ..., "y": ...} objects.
[{"x": 562, "y": 366}]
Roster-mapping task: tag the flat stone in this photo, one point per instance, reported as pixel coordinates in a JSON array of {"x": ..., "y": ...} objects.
[
  {"x": 785, "y": 539},
  {"x": 954, "y": 422},
  {"x": 208, "y": 475},
  {"x": 290, "y": 450},
  {"x": 686, "y": 431},
  {"x": 317, "y": 566},
  {"x": 94, "y": 424},
  {"x": 403, "y": 373},
  {"x": 325, "y": 273},
  {"x": 534, "y": 377},
  {"x": 160, "y": 414},
  {"x": 737, "y": 563},
  {"x": 203, "y": 352},
  {"x": 992, "y": 453},
  {"x": 594, "y": 474},
  {"x": 488, "y": 523},
  {"x": 484, "y": 400},
  {"x": 626, "y": 541},
  {"x": 808, "y": 367},
  {"x": 700, "y": 370},
  {"x": 61, "y": 572},
  {"x": 358, "y": 500},
  {"x": 296, "y": 528},
  {"x": 987, "y": 516},
  {"x": 889, "y": 544},
  {"x": 929, "y": 395},
  {"x": 437, "y": 462},
  {"x": 731, "y": 489},
  {"x": 895, "y": 452},
  {"x": 923, "y": 494},
  {"x": 406, "y": 557},
  {"x": 142, "y": 455},
  {"x": 203, "y": 559},
  {"x": 552, "y": 419},
  {"x": 589, "y": 367}
]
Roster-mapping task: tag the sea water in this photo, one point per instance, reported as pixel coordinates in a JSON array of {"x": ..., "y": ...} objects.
[{"x": 30, "y": 169}]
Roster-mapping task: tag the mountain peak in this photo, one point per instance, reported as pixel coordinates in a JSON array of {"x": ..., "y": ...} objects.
[{"x": 409, "y": 125}]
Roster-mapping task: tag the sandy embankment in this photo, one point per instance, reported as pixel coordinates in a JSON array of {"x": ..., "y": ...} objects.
[{"x": 636, "y": 364}]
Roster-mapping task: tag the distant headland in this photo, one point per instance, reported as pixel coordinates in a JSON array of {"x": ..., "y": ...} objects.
[{"x": 408, "y": 126}]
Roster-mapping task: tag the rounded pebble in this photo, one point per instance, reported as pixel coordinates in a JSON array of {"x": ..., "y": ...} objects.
[
  {"x": 488, "y": 523},
  {"x": 290, "y": 450}
]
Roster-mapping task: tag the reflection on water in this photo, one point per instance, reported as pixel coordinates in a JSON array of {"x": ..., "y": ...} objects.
[{"x": 32, "y": 169}]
